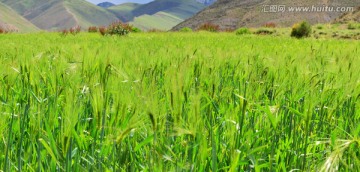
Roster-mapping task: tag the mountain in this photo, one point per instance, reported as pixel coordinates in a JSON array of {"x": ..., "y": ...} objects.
[
  {"x": 64, "y": 14},
  {"x": 232, "y": 14},
  {"x": 124, "y": 11},
  {"x": 349, "y": 17},
  {"x": 10, "y": 20},
  {"x": 120, "y": 1},
  {"x": 206, "y": 2},
  {"x": 60, "y": 14},
  {"x": 158, "y": 14},
  {"x": 105, "y": 4}
]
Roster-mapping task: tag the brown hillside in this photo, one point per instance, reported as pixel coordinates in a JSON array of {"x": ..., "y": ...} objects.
[
  {"x": 56, "y": 16},
  {"x": 349, "y": 17},
  {"x": 233, "y": 14}
]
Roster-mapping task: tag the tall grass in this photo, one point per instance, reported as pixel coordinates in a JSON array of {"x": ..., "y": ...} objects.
[{"x": 178, "y": 102}]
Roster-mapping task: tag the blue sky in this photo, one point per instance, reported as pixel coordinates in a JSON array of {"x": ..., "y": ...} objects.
[{"x": 119, "y": 1}]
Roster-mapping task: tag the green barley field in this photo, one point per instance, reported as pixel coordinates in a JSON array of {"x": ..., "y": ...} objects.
[{"x": 178, "y": 102}]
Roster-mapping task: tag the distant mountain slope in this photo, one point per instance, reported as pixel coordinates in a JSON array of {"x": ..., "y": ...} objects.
[
  {"x": 160, "y": 21},
  {"x": 88, "y": 14},
  {"x": 10, "y": 20},
  {"x": 25, "y": 7},
  {"x": 237, "y": 13},
  {"x": 105, "y": 4},
  {"x": 124, "y": 11},
  {"x": 158, "y": 5},
  {"x": 206, "y": 2},
  {"x": 158, "y": 14},
  {"x": 349, "y": 17},
  {"x": 185, "y": 9},
  {"x": 59, "y": 14}
]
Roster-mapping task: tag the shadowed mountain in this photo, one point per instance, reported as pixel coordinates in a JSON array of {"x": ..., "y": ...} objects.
[
  {"x": 105, "y": 4},
  {"x": 206, "y": 2},
  {"x": 233, "y": 14}
]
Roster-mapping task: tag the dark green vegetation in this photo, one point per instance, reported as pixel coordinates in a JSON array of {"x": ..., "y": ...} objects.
[
  {"x": 301, "y": 30},
  {"x": 105, "y": 4},
  {"x": 339, "y": 31},
  {"x": 242, "y": 31},
  {"x": 115, "y": 28},
  {"x": 178, "y": 101}
]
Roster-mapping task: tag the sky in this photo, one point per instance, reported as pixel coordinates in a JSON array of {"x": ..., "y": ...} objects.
[{"x": 119, "y": 1}]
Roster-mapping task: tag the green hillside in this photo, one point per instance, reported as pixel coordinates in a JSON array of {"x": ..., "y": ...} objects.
[
  {"x": 9, "y": 19},
  {"x": 60, "y": 14},
  {"x": 63, "y": 14},
  {"x": 160, "y": 21},
  {"x": 124, "y": 11},
  {"x": 23, "y": 7},
  {"x": 186, "y": 9},
  {"x": 180, "y": 8},
  {"x": 159, "y": 14}
]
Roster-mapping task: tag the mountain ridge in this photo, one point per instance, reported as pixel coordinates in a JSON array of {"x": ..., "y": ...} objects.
[
  {"x": 64, "y": 14},
  {"x": 61, "y": 14},
  {"x": 158, "y": 14}
]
